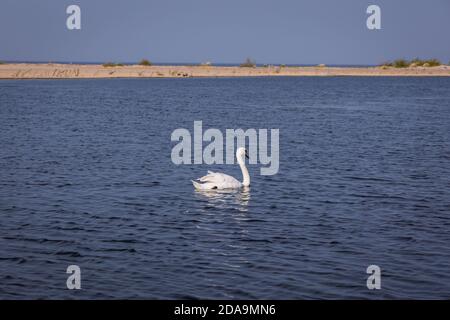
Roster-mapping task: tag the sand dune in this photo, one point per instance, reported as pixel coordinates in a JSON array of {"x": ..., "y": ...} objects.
[{"x": 75, "y": 71}]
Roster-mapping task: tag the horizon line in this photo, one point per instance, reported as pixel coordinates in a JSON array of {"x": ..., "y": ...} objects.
[{"x": 185, "y": 63}]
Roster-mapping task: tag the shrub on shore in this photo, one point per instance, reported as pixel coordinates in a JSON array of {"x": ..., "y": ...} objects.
[
  {"x": 112, "y": 64},
  {"x": 1, "y": 62},
  {"x": 417, "y": 62},
  {"x": 425, "y": 63},
  {"x": 145, "y": 62},
  {"x": 402, "y": 63},
  {"x": 434, "y": 62},
  {"x": 248, "y": 63}
]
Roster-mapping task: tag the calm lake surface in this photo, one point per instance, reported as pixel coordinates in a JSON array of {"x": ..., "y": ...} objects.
[{"x": 86, "y": 178}]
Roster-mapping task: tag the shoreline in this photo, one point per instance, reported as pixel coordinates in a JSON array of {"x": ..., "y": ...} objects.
[{"x": 97, "y": 71}]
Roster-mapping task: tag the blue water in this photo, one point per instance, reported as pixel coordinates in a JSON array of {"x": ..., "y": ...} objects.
[{"x": 86, "y": 178}]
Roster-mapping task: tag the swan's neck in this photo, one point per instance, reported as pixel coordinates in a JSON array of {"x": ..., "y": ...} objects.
[{"x": 245, "y": 175}]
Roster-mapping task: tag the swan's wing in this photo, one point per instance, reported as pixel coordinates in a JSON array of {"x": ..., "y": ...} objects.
[
  {"x": 210, "y": 176},
  {"x": 216, "y": 180}
]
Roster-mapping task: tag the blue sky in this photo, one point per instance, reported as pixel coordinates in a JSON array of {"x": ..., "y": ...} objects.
[{"x": 226, "y": 31}]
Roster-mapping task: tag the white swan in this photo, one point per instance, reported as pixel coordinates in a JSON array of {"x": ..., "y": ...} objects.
[{"x": 217, "y": 180}]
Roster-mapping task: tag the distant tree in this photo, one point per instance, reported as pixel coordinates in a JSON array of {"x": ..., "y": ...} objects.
[
  {"x": 145, "y": 62},
  {"x": 248, "y": 63}
]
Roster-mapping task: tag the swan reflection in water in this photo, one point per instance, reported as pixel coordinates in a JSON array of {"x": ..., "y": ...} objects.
[
  {"x": 226, "y": 198},
  {"x": 223, "y": 222}
]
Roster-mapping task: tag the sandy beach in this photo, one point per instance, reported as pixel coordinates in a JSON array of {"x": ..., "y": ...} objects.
[{"x": 75, "y": 71}]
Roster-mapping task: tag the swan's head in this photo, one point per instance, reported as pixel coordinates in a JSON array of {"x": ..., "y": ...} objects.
[{"x": 241, "y": 153}]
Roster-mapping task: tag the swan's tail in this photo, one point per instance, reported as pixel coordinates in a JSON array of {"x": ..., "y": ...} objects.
[
  {"x": 197, "y": 185},
  {"x": 203, "y": 186}
]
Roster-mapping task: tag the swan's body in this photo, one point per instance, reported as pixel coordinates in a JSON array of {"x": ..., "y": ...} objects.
[{"x": 217, "y": 180}]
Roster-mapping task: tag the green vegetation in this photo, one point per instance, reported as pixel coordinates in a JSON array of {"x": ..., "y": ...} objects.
[
  {"x": 145, "y": 62},
  {"x": 112, "y": 64},
  {"x": 2, "y": 62},
  {"x": 248, "y": 63},
  {"x": 402, "y": 63},
  {"x": 417, "y": 62},
  {"x": 434, "y": 62},
  {"x": 425, "y": 63}
]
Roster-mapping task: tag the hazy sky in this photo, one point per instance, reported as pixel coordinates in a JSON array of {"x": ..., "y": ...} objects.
[{"x": 226, "y": 31}]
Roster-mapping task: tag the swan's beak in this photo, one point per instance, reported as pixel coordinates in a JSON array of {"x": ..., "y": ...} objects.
[{"x": 246, "y": 154}]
